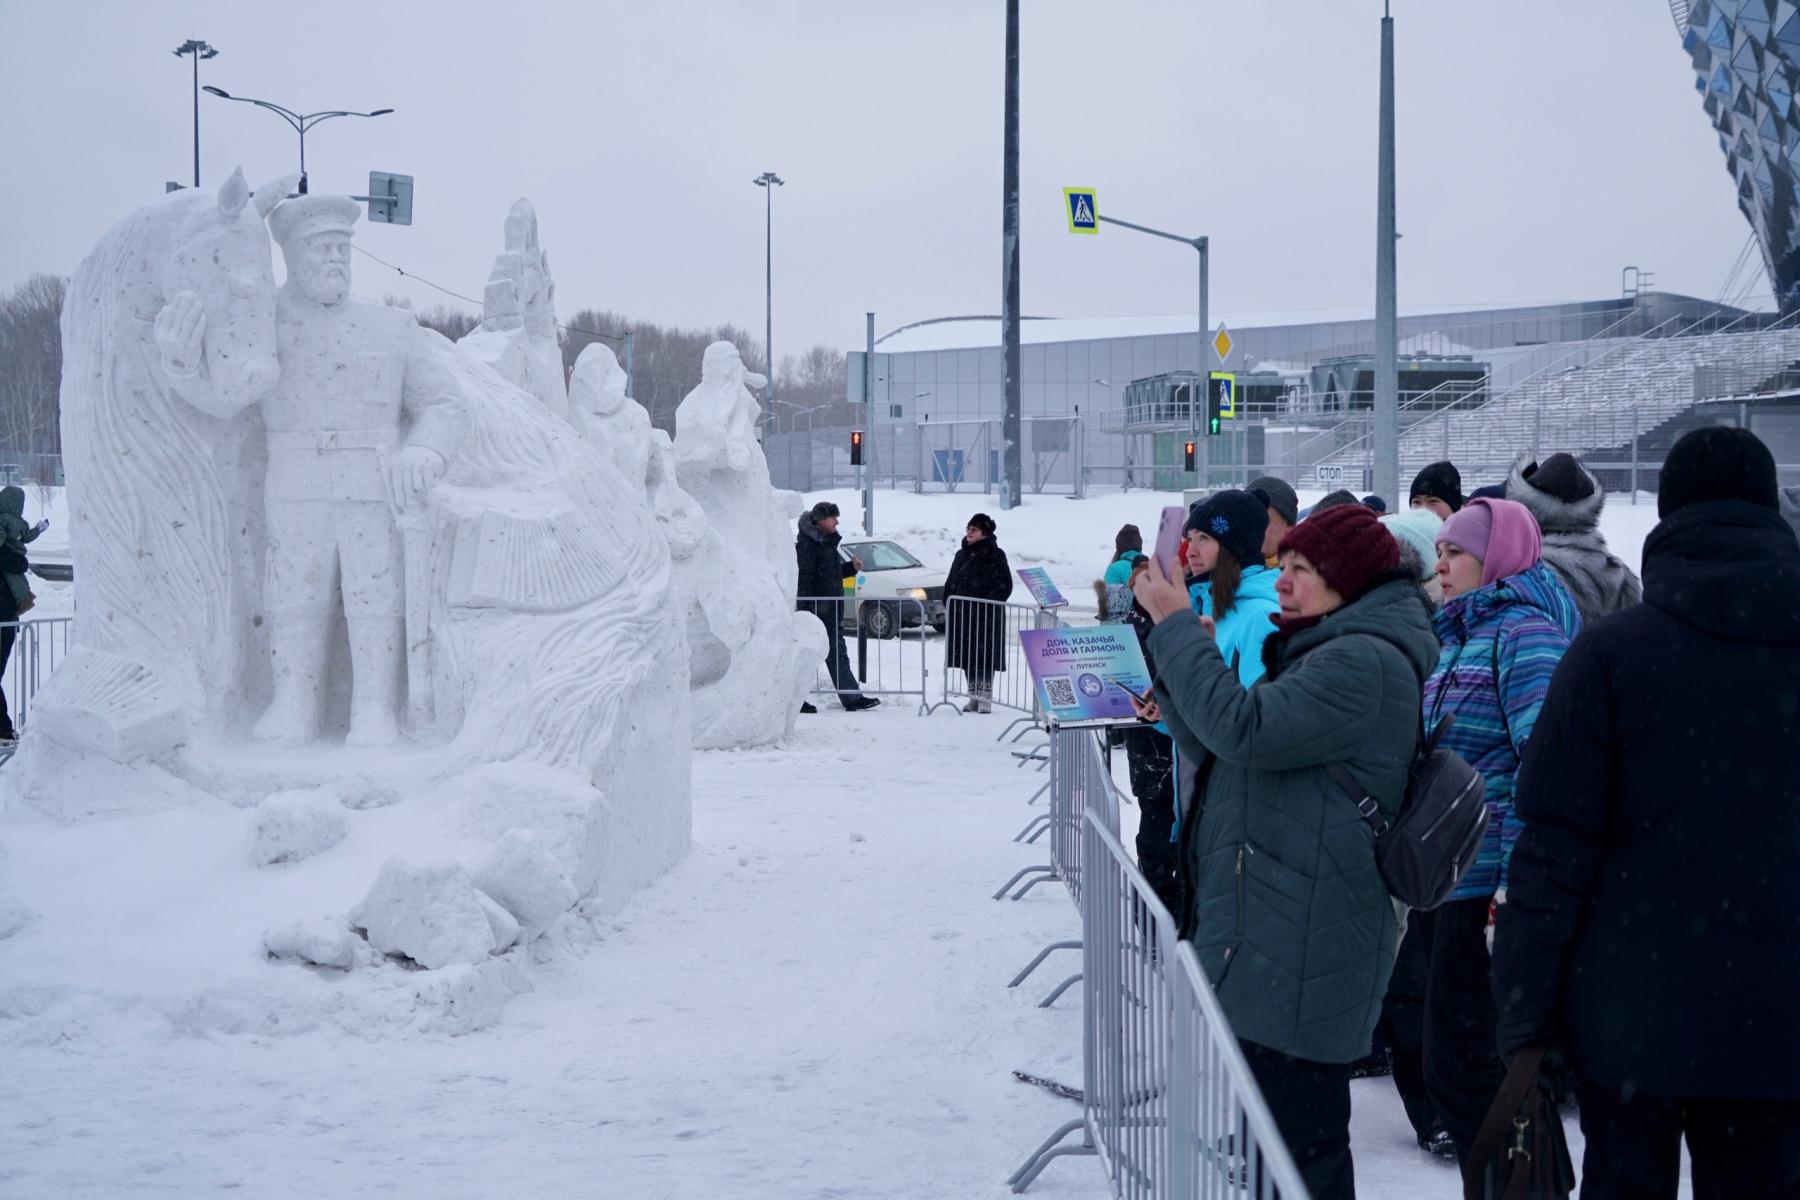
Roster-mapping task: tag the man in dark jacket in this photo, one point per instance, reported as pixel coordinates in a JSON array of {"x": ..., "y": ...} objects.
[
  {"x": 9, "y": 632},
  {"x": 822, "y": 574},
  {"x": 1650, "y": 927},
  {"x": 1566, "y": 499}
]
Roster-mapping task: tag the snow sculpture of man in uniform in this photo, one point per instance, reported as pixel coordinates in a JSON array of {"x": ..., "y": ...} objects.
[{"x": 342, "y": 467}]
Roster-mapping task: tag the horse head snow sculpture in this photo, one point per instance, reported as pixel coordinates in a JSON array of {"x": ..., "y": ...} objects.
[
  {"x": 220, "y": 269},
  {"x": 160, "y": 492}
]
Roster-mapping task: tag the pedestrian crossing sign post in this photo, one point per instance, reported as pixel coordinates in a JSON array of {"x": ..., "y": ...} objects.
[
  {"x": 1222, "y": 392},
  {"x": 1082, "y": 209}
]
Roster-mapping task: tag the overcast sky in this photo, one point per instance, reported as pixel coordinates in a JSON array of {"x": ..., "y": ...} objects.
[{"x": 1543, "y": 145}]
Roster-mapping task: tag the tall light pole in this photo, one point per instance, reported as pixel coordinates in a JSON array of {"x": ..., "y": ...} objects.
[
  {"x": 1011, "y": 465},
  {"x": 1386, "y": 481},
  {"x": 301, "y": 122},
  {"x": 199, "y": 50},
  {"x": 768, "y": 181}
]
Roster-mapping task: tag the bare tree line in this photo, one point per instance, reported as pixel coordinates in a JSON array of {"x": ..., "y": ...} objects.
[
  {"x": 665, "y": 366},
  {"x": 31, "y": 370}
]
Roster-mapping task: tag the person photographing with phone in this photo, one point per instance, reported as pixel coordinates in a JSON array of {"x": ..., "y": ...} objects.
[{"x": 1285, "y": 905}]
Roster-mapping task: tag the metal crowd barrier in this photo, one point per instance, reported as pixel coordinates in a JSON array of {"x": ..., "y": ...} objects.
[
  {"x": 1168, "y": 1102},
  {"x": 984, "y": 633},
  {"x": 894, "y": 665},
  {"x": 38, "y": 647},
  {"x": 1078, "y": 786}
]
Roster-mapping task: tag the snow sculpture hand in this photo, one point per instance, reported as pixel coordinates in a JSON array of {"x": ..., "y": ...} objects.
[
  {"x": 411, "y": 472},
  {"x": 181, "y": 334}
]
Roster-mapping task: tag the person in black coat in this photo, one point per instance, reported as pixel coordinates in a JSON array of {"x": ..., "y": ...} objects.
[
  {"x": 976, "y": 635},
  {"x": 1650, "y": 926},
  {"x": 821, "y": 589},
  {"x": 9, "y": 633}
]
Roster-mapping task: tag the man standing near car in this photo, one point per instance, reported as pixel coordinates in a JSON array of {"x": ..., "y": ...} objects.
[{"x": 822, "y": 575}]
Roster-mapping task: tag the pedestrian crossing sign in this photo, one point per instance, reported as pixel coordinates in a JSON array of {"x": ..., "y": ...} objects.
[{"x": 1083, "y": 210}]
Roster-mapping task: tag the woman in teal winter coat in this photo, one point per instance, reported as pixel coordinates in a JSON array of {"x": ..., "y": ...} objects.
[
  {"x": 1286, "y": 908},
  {"x": 1233, "y": 587}
]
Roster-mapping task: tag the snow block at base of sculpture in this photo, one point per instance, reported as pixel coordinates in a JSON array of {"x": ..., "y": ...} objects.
[
  {"x": 290, "y": 826},
  {"x": 432, "y": 914}
]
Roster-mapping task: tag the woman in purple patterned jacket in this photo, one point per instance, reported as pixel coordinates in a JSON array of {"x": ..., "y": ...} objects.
[{"x": 1505, "y": 624}]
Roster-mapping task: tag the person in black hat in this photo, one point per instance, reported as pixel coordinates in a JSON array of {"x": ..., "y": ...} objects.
[
  {"x": 822, "y": 574},
  {"x": 1439, "y": 488},
  {"x": 1566, "y": 500},
  {"x": 1650, "y": 928},
  {"x": 1284, "y": 512},
  {"x": 975, "y": 637}
]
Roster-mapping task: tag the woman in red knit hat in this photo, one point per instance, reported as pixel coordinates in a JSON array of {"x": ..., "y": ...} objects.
[{"x": 1286, "y": 908}]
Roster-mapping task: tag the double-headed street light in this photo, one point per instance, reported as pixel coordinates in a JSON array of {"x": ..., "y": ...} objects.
[
  {"x": 769, "y": 181},
  {"x": 199, "y": 50},
  {"x": 301, "y": 122}
]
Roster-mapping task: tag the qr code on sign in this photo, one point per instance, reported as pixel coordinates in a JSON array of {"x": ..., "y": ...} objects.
[{"x": 1060, "y": 691}]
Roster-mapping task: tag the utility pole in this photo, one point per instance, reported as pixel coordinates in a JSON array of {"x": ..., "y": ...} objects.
[
  {"x": 868, "y": 476},
  {"x": 1386, "y": 481},
  {"x": 198, "y": 50},
  {"x": 768, "y": 181},
  {"x": 1011, "y": 466}
]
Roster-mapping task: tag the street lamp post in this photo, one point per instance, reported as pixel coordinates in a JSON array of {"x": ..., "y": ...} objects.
[
  {"x": 768, "y": 181},
  {"x": 199, "y": 50},
  {"x": 301, "y": 122}
]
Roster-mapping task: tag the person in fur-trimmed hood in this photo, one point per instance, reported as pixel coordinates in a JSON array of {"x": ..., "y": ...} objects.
[{"x": 1566, "y": 500}]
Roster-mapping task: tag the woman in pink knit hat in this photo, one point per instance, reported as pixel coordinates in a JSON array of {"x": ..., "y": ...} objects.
[{"x": 1505, "y": 624}]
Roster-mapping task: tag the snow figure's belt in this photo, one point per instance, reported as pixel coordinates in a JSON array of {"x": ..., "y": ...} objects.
[{"x": 333, "y": 439}]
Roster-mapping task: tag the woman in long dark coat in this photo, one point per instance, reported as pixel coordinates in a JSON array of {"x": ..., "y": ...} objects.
[{"x": 977, "y": 632}]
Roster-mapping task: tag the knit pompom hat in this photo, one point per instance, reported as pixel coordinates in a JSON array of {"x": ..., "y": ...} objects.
[
  {"x": 1348, "y": 546},
  {"x": 1236, "y": 520}
]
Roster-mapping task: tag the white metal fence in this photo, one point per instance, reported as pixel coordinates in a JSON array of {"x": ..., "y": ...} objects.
[
  {"x": 887, "y": 655},
  {"x": 38, "y": 648},
  {"x": 1169, "y": 1105},
  {"x": 983, "y": 658}
]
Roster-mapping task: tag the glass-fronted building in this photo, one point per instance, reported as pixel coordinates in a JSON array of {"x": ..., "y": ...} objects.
[
  {"x": 1746, "y": 56},
  {"x": 950, "y": 370}
]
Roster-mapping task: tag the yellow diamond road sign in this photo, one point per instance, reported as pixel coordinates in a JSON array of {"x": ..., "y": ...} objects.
[{"x": 1222, "y": 343}]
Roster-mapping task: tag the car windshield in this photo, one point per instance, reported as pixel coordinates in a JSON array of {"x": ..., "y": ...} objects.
[{"x": 881, "y": 556}]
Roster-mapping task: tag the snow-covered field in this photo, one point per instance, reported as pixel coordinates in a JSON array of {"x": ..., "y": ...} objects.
[{"x": 811, "y": 1004}]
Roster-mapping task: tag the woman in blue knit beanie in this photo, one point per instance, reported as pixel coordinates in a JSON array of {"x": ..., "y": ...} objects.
[{"x": 1232, "y": 586}]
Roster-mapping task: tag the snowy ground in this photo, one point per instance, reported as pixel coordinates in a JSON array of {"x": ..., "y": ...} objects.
[{"x": 812, "y": 1004}]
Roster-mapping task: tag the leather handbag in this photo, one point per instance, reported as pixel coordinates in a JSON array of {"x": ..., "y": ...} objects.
[{"x": 1521, "y": 1152}]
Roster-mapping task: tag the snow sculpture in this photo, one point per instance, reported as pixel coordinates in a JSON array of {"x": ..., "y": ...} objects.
[
  {"x": 300, "y": 516},
  {"x": 517, "y": 336},
  {"x": 744, "y": 638},
  {"x": 599, "y": 408}
]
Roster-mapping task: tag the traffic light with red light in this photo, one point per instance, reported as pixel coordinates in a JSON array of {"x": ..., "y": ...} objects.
[
  {"x": 1187, "y": 452},
  {"x": 856, "y": 447}
]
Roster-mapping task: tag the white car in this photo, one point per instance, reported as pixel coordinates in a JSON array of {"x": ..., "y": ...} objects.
[{"x": 894, "y": 590}]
